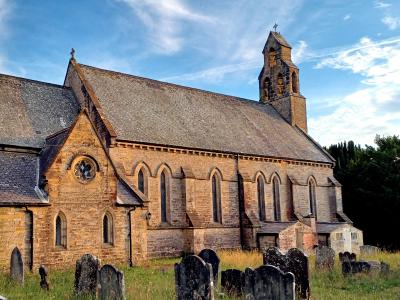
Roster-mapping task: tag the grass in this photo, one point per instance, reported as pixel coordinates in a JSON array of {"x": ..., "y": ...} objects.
[{"x": 155, "y": 280}]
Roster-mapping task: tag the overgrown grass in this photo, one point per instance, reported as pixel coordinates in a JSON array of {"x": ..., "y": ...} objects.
[{"x": 155, "y": 280}]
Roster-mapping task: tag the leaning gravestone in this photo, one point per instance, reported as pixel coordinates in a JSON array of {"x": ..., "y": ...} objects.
[
  {"x": 232, "y": 282},
  {"x": 324, "y": 257},
  {"x": 17, "y": 266},
  {"x": 269, "y": 283},
  {"x": 43, "y": 280},
  {"x": 296, "y": 262},
  {"x": 211, "y": 257},
  {"x": 347, "y": 256},
  {"x": 86, "y": 274},
  {"x": 369, "y": 250},
  {"x": 111, "y": 283},
  {"x": 193, "y": 279}
]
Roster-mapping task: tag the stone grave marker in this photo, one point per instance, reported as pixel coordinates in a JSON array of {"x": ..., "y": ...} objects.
[
  {"x": 354, "y": 267},
  {"x": 193, "y": 279},
  {"x": 111, "y": 283},
  {"x": 17, "y": 266},
  {"x": 2, "y": 297},
  {"x": 369, "y": 250},
  {"x": 324, "y": 257},
  {"x": 86, "y": 274},
  {"x": 43, "y": 280},
  {"x": 232, "y": 282},
  {"x": 296, "y": 262},
  {"x": 211, "y": 257},
  {"x": 269, "y": 283},
  {"x": 347, "y": 256}
]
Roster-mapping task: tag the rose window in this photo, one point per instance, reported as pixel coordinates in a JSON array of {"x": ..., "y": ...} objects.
[{"x": 85, "y": 170}]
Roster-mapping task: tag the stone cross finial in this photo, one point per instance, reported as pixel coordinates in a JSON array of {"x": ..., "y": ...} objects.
[
  {"x": 275, "y": 26},
  {"x": 72, "y": 53}
]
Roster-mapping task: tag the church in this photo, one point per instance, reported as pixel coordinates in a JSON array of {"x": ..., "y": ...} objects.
[{"x": 128, "y": 168}]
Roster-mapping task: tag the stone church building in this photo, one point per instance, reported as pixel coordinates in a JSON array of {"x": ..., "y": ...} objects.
[{"x": 130, "y": 168}]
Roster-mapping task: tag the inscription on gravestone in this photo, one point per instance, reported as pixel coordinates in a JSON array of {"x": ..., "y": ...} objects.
[
  {"x": 43, "y": 280},
  {"x": 17, "y": 266},
  {"x": 296, "y": 262},
  {"x": 232, "y": 282},
  {"x": 324, "y": 257},
  {"x": 369, "y": 250},
  {"x": 211, "y": 257},
  {"x": 269, "y": 283},
  {"x": 111, "y": 283},
  {"x": 86, "y": 274},
  {"x": 193, "y": 279}
]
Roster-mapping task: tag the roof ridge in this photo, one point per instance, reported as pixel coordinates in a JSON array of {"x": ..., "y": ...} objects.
[{"x": 35, "y": 81}]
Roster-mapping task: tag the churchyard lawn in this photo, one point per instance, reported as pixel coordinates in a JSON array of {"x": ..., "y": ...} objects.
[{"x": 155, "y": 280}]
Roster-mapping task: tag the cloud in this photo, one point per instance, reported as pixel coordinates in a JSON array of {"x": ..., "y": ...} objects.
[
  {"x": 163, "y": 21},
  {"x": 300, "y": 52},
  {"x": 375, "y": 107},
  {"x": 347, "y": 17},
  {"x": 381, "y": 4},
  {"x": 391, "y": 22},
  {"x": 5, "y": 12}
]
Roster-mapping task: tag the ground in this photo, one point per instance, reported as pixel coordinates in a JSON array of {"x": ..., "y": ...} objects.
[{"x": 155, "y": 280}]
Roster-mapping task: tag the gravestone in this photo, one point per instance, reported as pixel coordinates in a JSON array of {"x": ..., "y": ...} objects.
[
  {"x": 17, "y": 266},
  {"x": 2, "y": 297},
  {"x": 193, "y": 279},
  {"x": 86, "y": 274},
  {"x": 111, "y": 283},
  {"x": 211, "y": 257},
  {"x": 232, "y": 282},
  {"x": 269, "y": 283},
  {"x": 324, "y": 257},
  {"x": 369, "y": 250},
  {"x": 296, "y": 262},
  {"x": 354, "y": 267},
  {"x": 43, "y": 280},
  {"x": 347, "y": 256}
]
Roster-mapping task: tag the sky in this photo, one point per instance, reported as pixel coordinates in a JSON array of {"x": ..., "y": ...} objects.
[{"x": 348, "y": 52}]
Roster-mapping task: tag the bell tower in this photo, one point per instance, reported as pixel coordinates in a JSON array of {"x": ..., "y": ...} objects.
[{"x": 279, "y": 81}]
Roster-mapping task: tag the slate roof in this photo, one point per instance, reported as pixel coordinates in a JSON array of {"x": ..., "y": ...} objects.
[
  {"x": 275, "y": 227},
  {"x": 18, "y": 173},
  {"x": 150, "y": 111},
  {"x": 32, "y": 110},
  {"x": 328, "y": 227},
  {"x": 280, "y": 39}
]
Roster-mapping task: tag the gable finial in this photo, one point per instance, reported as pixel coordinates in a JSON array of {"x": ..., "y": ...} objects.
[
  {"x": 72, "y": 53},
  {"x": 275, "y": 26}
]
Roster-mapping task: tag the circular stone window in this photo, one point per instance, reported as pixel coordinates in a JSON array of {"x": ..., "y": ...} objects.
[{"x": 85, "y": 169}]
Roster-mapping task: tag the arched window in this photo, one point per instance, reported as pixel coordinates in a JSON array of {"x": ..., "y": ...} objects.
[
  {"x": 163, "y": 196},
  {"x": 276, "y": 198},
  {"x": 107, "y": 229},
  {"x": 295, "y": 88},
  {"x": 261, "y": 198},
  {"x": 280, "y": 86},
  {"x": 141, "y": 181},
  {"x": 272, "y": 57},
  {"x": 312, "y": 198},
  {"x": 61, "y": 230},
  {"x": 266, "y": 89},
  {"x": 216, "y": 199}
]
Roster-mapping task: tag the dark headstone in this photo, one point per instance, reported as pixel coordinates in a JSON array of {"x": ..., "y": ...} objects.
[
  {"x": 211, "y": 257},
  {"x": 232, "y": 282},
  {"x": 269, "y": 283},
  {"x": 324, "y": 257},
  {"x": 193, "y": 279},
  {"x": 17, "y": 266},
  {"x": 296, "y": 262},
  {"x": 86, "y": 274},
  {"x": 369, "y": 250},
  {"x": 43, "y": 280},
  {"x": 354, "y": 267},
  {"x": 111, "y": 283},
  {"x": 347, "y": 256}
]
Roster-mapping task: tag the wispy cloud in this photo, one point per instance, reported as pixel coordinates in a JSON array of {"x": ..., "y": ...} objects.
[
  {"x": 381, "y": 4},
  {"x": 5, "y": 12},
  {"x": 391, "y": 22},
  {"x": 374, "y": 108},
  {"x": 299, "y": 52},
  {"x": 347, "y": 17}
]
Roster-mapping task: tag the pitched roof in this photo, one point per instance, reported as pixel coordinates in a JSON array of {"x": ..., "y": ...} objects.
[
  {"x": 275, "y": 227},
  {"x": 280, "y": 39},
  {"x": 38, "y": 110},
  {"x": 150, "y": 111},
  {"x": 18, "y": 175}
]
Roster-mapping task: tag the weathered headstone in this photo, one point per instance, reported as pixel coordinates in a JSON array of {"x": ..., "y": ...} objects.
[
  {"x": 211, "y": 257},
  {"x": 232, "y": 282},
  {"x": 369, "y": 250},
  {"x": 193, "y": 279},
  {"x": 353, "y": 267},
  {"x": 269, "y": 283},
  {"x": 43, "y": 280},
  {"x": 347, "y": 256},
  {"x": 17, "y": 266},
  {"x": 296, "y": 262},
  {"x": 111, "y": 283},
  {"x": 86, "y": 274},
  {"x": 2, "y": 297},
  {"x": 324, "y": 257}
]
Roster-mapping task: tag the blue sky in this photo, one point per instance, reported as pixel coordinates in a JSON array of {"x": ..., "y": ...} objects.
[{"x": 348, "y": 52}]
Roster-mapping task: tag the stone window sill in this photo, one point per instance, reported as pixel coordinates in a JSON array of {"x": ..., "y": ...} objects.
[
  {"x": 108, "y": 245},
  {"x": 60, "y": 248}
]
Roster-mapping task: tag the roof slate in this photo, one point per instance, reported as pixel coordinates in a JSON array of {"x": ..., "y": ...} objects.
[
  {"x": 38, "y": 110},
  {"x": 150, "y": 111}
]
